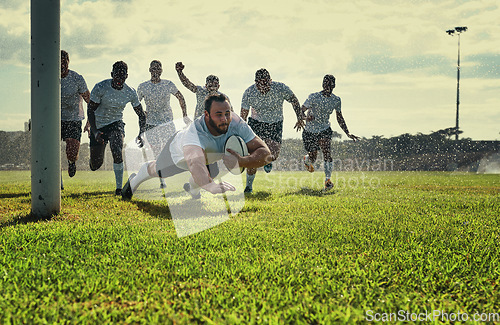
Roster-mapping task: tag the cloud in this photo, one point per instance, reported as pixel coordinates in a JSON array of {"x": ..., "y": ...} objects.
[
  {"x": 14, "y": 5},
  {"x": 13, "y": 48},
  {"x": 483, "y": 66},
  {"x": 385, "y": 64},
  {"x": 14, "y": 33}
]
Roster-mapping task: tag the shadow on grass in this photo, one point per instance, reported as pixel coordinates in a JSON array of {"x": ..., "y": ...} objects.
[
  {"x": 13, "y": 195},
  {"x": 23, "y": 219},
  {"x": 312, "y": 192},
  {"x": 260, "y": 195},
  {"x": 87, "y": 194},
  {"x": 250, "y": 209},
  {"x": 154, "y": 210},
  {"x": 63, "y": 194}
]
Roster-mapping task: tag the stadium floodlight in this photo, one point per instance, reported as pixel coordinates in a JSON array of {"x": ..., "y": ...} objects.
[
  {"x": 457, "y": 30},
  {"x": 45, "y": 108}
]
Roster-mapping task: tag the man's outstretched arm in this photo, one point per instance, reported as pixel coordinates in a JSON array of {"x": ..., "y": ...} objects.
[
  {"x": 91, "y": 107},
  {"x": 298, "y": 112},
  {"x": 142, "y": 123},
  {"x": 182, "y": 103},
  {"x": 343, "y": 126},
  {"x": 196, "y": 162},
  {"x": 179, "y": 67}
]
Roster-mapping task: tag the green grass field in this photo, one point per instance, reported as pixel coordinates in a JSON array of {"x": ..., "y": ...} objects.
[{"x": 380, "y": 243}]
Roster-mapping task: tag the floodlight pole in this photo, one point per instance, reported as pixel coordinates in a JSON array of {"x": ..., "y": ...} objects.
[
  {"x": 458, "y": 30},
  {"x": 45, "y": 108},
  {"x": 458, "y": 88}
]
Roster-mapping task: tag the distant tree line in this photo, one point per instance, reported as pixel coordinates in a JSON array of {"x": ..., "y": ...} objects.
[
  {"x": 15, "y": 149},
  {"x": 421, "y": 152},
  {"x": 15, "y": 152}
]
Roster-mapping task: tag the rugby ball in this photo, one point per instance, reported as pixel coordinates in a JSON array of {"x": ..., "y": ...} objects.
[{"x": 236, "y": 143}]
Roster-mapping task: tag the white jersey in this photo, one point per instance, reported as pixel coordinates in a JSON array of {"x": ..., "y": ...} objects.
[
  {"x": 267, "y": 107},
  {"x": 197, "y": 134},
  {"x": 321, "y": 108},
  {"x": 201, "y": 94},
  {"x": 157, "y": 99},
  {"x": 72, "y": 86},
  {"x": 111, "y": 102}
]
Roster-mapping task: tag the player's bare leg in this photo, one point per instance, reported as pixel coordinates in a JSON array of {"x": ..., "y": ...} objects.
[
  {"x": 309, "y": 160},
  {"x": 275, "y": 148},
  {"x": 72, "y": 150},
  {"x": 325, "y": 145},
  {"x": 116, "y": 146},
  {"x": 250, "y": 178},
  {"x": 157, "y": 146},
  {"x": 96, "y": 156}
]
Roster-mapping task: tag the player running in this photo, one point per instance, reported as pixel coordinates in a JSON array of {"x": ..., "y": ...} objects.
[
  {"x": 156, "y": 94},
  {"x": 201, "y": 144},
  {"x": 105, "y": 113},
  {"x": 211, "y": 88},
  {"x": 266, "y": 98},
  {"x": 317, "y": 132},
  {"x": 73, "y": 90}
]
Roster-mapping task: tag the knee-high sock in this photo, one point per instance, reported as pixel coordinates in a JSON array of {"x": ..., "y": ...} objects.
[
  {"x": 142, "y": 176},
  {"x": 328, "y": 169},
  {"x": 250, "y": 179},
  {"x": 118, "y": 169}
]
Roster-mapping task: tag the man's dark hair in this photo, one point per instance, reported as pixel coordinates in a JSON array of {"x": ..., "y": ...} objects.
[
  {"x": 211, "y": 78},
  {"x": 262, "y": 74},
  {"x": 221, "y": 98},
  {"x": 155, "y": 62},
  {"x": 329, "y": 77},
  {"x": 64, "y": 55},
  {"x": 120, "y": 66}
]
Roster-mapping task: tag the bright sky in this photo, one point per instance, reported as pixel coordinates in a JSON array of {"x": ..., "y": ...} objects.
[{"x": 394, "y": 63}]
